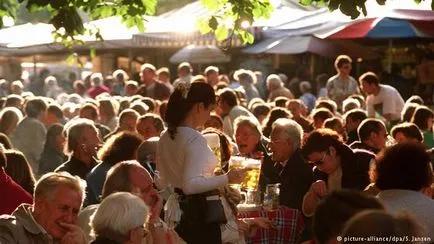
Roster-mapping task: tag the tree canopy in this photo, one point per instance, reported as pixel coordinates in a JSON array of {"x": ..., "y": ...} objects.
[
  {"x": 228, "y": 16},
  {"x": 352, "y": 8}
]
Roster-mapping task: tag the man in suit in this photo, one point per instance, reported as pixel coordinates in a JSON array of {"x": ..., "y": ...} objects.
[
  {"x": 287, "y": 166},
  {"x": 151, "y": 87}
]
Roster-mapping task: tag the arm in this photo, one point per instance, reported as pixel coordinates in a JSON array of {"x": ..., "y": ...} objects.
[
  {"x": 198, "y": 176},
  {"x": 310, "y": 202},
  {"x": 313, "y": 196}
]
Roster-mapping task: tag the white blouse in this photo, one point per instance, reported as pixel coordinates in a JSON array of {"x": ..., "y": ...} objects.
[{"x": 187, "y": 162}]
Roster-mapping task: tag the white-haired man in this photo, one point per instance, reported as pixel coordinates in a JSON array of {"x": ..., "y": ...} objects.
[
  {"x": 125, "y": 225},
  {"x": 52, "y": 88},
  {"x": 287, "y": 166},
  {"x": 212, "y": 75},
  {"x": 53, "y": 216},
  {"x": 276, "y": 89},
  {"x": 82, "y": 143},
  {"x": 97, "y": 85}
]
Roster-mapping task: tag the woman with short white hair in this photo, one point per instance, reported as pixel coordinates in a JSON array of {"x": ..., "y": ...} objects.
[{"x": 120, "y": 218}]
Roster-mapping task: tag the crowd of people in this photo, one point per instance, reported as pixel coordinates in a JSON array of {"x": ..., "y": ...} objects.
[{"x": 128, "y": 162}]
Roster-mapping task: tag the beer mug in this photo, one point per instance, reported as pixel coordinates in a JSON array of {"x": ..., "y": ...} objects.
[
  {"x": 252, "y": 168},
  {"x": 213, "y": 141}
]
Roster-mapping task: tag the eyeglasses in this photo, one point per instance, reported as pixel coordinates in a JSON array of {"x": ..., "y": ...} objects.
[
  {"x": 321, "y": 161},
  {"x": 346, "y": 67}
]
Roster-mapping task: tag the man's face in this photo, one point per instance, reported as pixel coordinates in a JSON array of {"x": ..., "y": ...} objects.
[
  {"x": 163, "y": 77},
  {"x": 345, "y": 69},
  {"x": 147, "y": 75},
  {"x": 350, "y": 125},
  {"x": 90, "y": 140},
  {"x": 62, "y": 208},
  {"x": 142, "y": 185},
  {"x": 147, "y": 129},
  {"x": 379, "y": 139},
  {"x": 87, "y": 114},
  {"x": 213, "y": 78},
  {"x": 128, "y": 124},
  {"x": 222, "y": 108},
  {"x": 367, "y": 88},
  {"x": 294, "y": 108},
  {"x": 130, "y": 91},
  {"x": 280, "y": 147},
  {"x": 51, "y": 119}
]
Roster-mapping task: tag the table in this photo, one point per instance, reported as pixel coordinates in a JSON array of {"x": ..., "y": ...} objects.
[{"x": 289, "y": 225}]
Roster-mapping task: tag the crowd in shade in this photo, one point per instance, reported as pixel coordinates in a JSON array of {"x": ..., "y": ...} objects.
[{"x": 125, "y": 161}]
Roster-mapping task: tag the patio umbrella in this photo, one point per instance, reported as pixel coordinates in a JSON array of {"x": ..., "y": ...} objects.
[
  {"x": 303, "y": 44},
  {"x": 200, "y": 55},
  {"x": 382, "y": 28}
]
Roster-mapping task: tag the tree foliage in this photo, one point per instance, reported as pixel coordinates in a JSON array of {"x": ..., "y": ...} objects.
[{"x": 352, "y": 8}]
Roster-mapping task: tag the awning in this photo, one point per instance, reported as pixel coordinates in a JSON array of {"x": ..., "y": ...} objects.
[{"x": 302, "y": 44}]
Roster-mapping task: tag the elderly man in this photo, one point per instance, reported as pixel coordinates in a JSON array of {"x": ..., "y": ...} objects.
[
  {"x": 212, "y": 75},
  {"x": 97, "y": 85},
  {"x": 125, "y": 225},
  {"x": 82, "y": 143},
  {"x": 30, "y": 133},
  {"x": 151, "y": 87},
  {"x": 129, "y": 176},
  {"x": 288, "y": 167},
  {"x": 150, "y": 125},
  {"x": 53, "y": 216},
  {"x": 185, "y": 73},
  {"x": 127, "y": 122},
  {"x": 276, "y": 88}
]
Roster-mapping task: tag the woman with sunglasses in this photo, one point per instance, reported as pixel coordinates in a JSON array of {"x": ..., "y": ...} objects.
[{"x": 336, "y": 166}]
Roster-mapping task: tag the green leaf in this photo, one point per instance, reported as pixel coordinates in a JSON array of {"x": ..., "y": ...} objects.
[
  {"x": 203, "y": 26},
  {"x": 221, "y": 33},
  {"x": 213, "y": 5},
  {"x": 306, "y": 2},
  {"x": 92, "y": 52},
  {"x": 71, "y": 58},
  {"x": 432, "y": 4}
]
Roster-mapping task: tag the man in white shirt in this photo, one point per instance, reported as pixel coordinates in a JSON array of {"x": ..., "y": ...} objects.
[
  {"x": 229, "y": 110},
  {"x": 383, "y": 101}
]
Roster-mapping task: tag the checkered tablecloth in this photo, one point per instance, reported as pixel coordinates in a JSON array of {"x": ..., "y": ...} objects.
[{"x": 289, "y": 225}]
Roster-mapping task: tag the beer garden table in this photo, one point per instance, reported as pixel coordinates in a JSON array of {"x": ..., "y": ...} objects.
[{"x": 289, "y": 225}]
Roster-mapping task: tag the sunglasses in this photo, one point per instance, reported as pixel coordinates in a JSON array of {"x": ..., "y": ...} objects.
[
  {"x": 321, "y": 161},
  {"x": 346, "y": 67}
]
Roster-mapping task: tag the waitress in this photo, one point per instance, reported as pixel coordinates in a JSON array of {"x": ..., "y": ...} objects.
[{"x": 186, "y": 163}]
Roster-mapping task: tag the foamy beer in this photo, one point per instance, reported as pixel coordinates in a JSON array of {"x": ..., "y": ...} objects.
[{"x": 253, "y": 171}]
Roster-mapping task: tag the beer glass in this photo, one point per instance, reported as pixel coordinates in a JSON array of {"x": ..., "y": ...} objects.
[
  {"x": 252, "y": 168},
  {"x": 213, "y": 141}
]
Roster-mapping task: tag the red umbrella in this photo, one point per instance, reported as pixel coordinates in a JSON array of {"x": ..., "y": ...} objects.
[{"x": 397, "y": 24}]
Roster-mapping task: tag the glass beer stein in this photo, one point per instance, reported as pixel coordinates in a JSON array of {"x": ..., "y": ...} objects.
[{"x": 252, "y": 168}]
